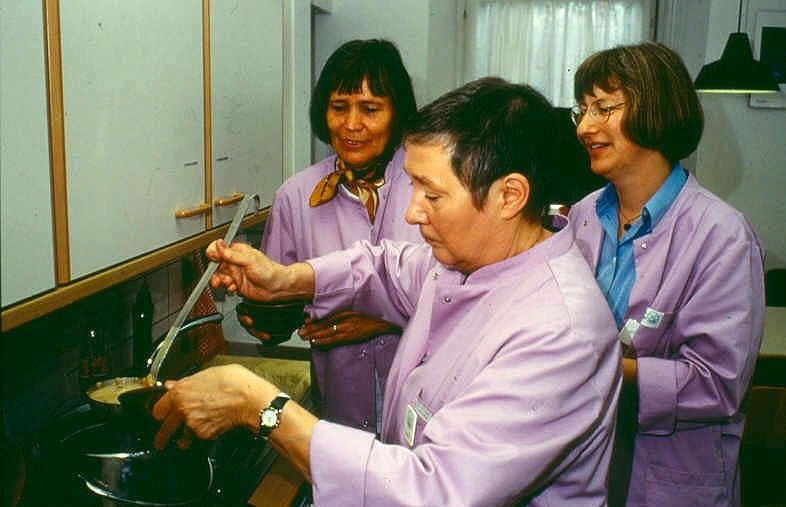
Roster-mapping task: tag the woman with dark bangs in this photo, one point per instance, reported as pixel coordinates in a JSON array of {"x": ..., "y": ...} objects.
[{"x": 362, "y": 101}]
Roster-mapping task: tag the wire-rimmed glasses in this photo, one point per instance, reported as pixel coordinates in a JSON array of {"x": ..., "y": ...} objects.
[{"x": 597, "y": 112}]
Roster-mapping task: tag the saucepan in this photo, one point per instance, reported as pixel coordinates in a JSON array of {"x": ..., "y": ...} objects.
[
  {"x": 107, "y": 395},
  {"x": 120, "y": 468},
  {"x": 135, "y": 396}
]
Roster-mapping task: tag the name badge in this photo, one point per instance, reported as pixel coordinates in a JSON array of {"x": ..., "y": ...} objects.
[
  {"x": 410, "y": 421},
  {"x": 628, "y": 331},
  {"x": 652, "y": 318}
]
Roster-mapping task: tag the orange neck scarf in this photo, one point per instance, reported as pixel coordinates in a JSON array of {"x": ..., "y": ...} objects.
[{"x": 365, "y": 188}]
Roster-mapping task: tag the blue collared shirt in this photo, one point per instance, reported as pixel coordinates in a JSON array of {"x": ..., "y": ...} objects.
[{"x": 616, "y": 270}]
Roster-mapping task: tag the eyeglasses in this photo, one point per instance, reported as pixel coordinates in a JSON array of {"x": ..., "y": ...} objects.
[{"x": 597, "y": 112}]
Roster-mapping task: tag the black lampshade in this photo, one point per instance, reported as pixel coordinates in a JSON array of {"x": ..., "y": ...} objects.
[{"x": 736, "y": 71}]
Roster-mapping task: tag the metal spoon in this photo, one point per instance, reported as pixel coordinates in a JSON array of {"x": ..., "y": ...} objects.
[{"x": 161, "y": 352}]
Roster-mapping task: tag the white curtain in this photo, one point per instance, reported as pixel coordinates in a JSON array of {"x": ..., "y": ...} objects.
[{"x": 541, "y": 42}]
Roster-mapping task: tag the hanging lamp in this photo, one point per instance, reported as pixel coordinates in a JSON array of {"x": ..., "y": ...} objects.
[{"x": 736, "y": 71}]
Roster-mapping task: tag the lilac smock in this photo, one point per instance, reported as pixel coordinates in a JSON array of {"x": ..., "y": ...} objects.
[
  {"x": 503, "y": 390},
  {"x": 694, "y": 323},
  {"x": 347, "y": 376}
]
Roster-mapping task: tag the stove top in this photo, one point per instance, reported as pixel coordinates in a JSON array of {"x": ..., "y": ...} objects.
[{"x": 52, "y": 465}]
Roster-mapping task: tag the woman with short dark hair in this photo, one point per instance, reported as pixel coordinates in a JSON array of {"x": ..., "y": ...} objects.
[
  {"x": 682, "y": 273},
  {"x": 504, "y": 387}
]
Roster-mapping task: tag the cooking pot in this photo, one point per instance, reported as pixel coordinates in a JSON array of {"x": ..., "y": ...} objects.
[
  {"x": 73, "y": 460},
  {"x": 119, "y": 466}
]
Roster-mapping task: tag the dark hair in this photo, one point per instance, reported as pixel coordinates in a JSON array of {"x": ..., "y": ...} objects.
[
  {"x": 662, "y": 110},
  {"x": 492, "y": 128},
  {"x": 376, "y": 60}
]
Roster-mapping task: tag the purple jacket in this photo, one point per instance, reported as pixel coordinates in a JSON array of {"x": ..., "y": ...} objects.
[
  {"x": 698, "y": 307},
  {"x": 346, "y": 376},
  {"x": 503, "y": 390}
]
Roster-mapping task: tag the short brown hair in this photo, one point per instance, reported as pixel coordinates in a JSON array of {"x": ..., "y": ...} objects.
[{"x": 662, "y": 110}]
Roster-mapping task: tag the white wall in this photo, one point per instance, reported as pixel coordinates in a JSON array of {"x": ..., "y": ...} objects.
[
  {"x": 742, "y": 156},
  {"x": 424, "y": 32}
]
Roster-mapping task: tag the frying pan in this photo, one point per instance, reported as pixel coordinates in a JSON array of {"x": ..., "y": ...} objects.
[{"x": 110, "y": 396}]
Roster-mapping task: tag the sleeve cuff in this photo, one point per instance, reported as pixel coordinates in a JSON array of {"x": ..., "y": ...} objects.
[
  {"x": 656, "y": 380},
  {"x": 338, "y": 463}
]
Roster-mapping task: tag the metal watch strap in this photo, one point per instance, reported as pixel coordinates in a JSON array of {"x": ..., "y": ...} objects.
[{"x": 274, "y": 408}]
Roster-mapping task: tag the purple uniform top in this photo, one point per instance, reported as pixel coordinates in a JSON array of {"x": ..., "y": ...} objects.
[
  {"x": 695, "y": 321},
  {"x": 348, "y": 375},
  {"x": 503, "y": 390}
]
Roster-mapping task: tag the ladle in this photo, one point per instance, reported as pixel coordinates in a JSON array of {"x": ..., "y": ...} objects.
[{"x": 161, "y": 352}]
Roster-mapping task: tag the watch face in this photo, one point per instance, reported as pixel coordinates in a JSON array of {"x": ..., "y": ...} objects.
[{"x": 269, "y": 418}]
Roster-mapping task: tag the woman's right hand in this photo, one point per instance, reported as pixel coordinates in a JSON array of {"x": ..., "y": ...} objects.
[
  {"x": 243, "y": 269},
  {"x": 250, "y": 273}
]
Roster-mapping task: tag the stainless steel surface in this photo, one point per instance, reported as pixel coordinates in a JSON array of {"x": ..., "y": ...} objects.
[{"x": 163, "y": 350}]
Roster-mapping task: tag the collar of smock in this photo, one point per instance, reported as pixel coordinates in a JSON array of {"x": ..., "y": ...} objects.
[
  {"x": 512, "y": 268},
  {"x": 607, "y": 205}
]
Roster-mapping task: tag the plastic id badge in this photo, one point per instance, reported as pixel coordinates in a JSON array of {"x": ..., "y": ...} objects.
[{"x": 410, "y": 421}]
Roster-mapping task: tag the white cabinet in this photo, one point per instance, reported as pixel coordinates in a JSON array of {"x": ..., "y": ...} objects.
[
  {"x": 133, "y": 101},
  {"x": 132, "y": 139},
  {"x": 26, "y": 242},
  {"x": 246, "y": 39}
]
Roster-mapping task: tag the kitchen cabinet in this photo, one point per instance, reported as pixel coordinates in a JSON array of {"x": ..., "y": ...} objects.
[
  {"x": 26, "y": 243},
  {"x": 162, "y": 107},
  {"x": 133, "y": 101},
  {"x": 135, "y": 121},
  {"x": 246, "y": 75}
]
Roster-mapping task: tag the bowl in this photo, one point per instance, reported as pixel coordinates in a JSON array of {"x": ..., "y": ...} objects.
[{"x": 278, "y": 319}]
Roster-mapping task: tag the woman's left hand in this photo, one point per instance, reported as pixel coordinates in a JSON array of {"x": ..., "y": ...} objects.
[{"x": 345, "y": 326}]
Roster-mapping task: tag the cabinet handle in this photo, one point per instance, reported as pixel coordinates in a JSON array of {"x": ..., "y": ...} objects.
[
  {"x": 226, "y": 201},
  {"x": 199, "y": 210}
]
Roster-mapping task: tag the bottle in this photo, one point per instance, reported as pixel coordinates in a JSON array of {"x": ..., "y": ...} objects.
[
  {"x": 142, "y": 329},
  {"x": 85, "y": 357},
  {"x": 98, "y": 363}
]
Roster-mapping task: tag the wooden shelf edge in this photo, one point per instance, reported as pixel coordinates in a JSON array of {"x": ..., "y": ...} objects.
[{"x": 38, "y": 306}]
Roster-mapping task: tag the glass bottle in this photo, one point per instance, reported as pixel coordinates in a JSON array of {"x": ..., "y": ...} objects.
[{"x": 142, "y": 329}]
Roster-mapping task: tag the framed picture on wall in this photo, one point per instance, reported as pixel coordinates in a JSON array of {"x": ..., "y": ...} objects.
[{"x": 769, "y": 46}]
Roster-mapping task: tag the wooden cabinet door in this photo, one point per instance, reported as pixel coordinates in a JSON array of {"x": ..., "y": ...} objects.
[
  {"x": 133, "y": 101},
  {"x": 26, "y": 240},
  {"x": 246, "y": 74}
]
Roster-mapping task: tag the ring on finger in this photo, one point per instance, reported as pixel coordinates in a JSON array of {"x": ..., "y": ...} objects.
[{"x": 335, "y": 327}]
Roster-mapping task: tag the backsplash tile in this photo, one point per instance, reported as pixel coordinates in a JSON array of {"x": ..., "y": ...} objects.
[{"x": 40, "y": 359}]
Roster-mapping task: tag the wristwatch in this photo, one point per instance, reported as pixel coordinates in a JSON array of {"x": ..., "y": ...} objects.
[{"x": 270, "y": 417}]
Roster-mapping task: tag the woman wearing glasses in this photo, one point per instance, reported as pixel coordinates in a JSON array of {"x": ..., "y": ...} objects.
[{"x": 682, "y": 273}]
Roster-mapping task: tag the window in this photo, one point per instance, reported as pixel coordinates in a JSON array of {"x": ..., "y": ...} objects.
[{"x": 541, "y": 42}]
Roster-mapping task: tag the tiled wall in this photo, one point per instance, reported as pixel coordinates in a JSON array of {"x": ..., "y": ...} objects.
[{"x": 40, "y": 359}]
